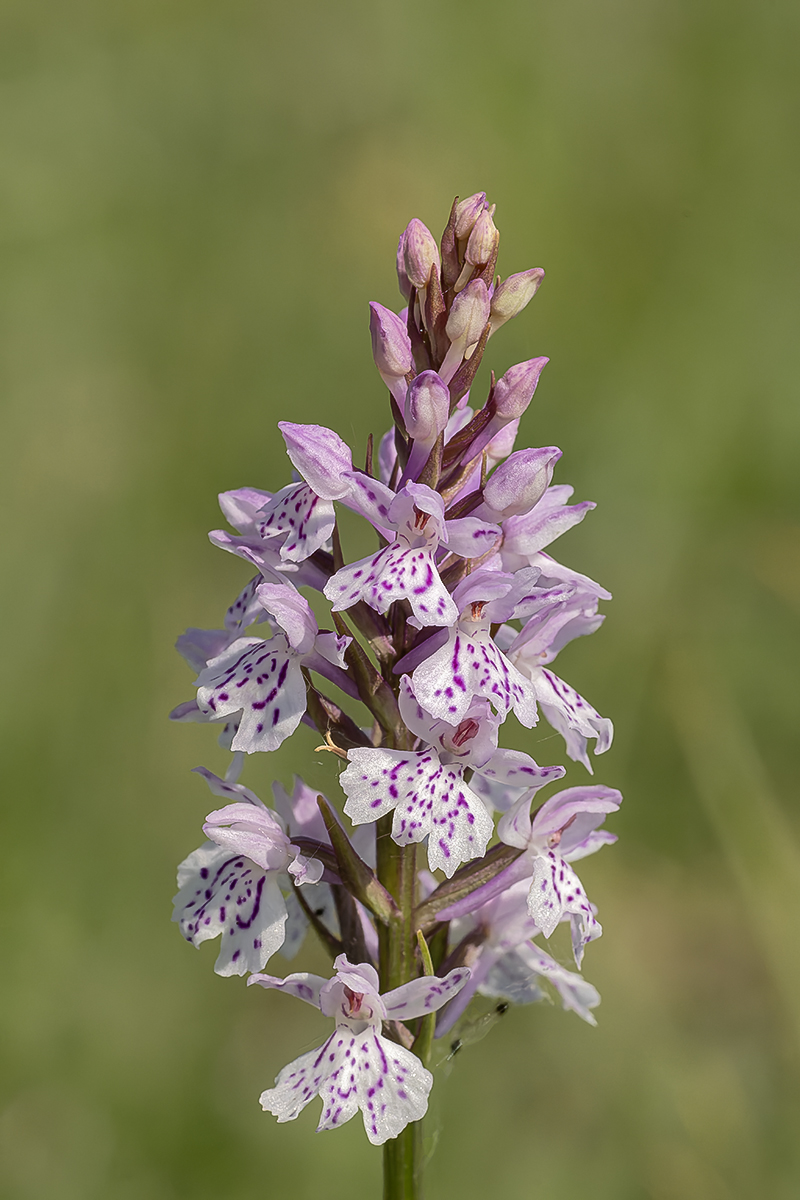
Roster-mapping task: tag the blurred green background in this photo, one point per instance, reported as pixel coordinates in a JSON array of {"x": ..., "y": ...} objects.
[{"x": 197, "y": 202}]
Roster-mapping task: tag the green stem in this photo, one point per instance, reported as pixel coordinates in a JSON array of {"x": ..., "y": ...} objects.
[
  {"x": 402, "y": 1156},
  {"x": 402, "y": 1165}
]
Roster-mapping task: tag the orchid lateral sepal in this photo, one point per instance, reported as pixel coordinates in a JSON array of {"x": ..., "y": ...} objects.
[{"x": 357, "y": 877}]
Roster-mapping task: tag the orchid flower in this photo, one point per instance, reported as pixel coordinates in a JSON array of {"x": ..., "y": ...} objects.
[
  {"x": 504, "y": 962},
  {"x": 237, "y": 885},
  {"x": 567, "y": 613},
  {"x": 426, "y": 788},
  {"x": 406, "y": 570},
  {"x": 563, "y": 830},
  {"x": 263, "y": 680},
  {"x": 357, "y": 1067}
]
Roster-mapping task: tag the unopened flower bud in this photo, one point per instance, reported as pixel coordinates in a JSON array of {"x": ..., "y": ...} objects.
[
  {"x": 469, "y": 313},
  {"x": 467, "y": 213},
  {"x": 420, "y": 253},
  {"x": 520, "y": 482},
  {"x": 391, "y": 345},
  {"x": 512, "y": 295},
  {"x": 482, "y": 240},
  {"x": 427, "y": 407},
  {"x": 511, "y": 396},
  {"x": 466, "y": 323},
  {"x": 514, "y": 391}
]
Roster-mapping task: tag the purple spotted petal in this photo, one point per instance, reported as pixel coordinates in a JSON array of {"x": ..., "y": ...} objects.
[
  {"x": 300, "y": 1081},
  {"x": 430, "y": 799},
  {"x": 246, "y": 609},
  {"x": 514, "y": 976},
  {"x": 423, "y": 996},
  {"x": 300, "y": 518},
  {"x": 263, "y": 681},
  {"x": 471, "y": 537},
  {"x": 516, "y": 769},
  {"x": 556, "y": 892},
  {"x": 371, "y": 499},
  {"x": 300, "y": 984},
  {"x": 227, "y": 896},
  {"x": 470, "y": 666},
  {"x": 397, "y": 572},
  {"x": 376, "y": 780},
  {"x": 572, "y": 716},
  {"x": 351, "y": 1071}
]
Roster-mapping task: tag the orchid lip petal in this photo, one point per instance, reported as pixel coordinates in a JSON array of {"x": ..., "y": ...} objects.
[{"x": 429, "y": 799}]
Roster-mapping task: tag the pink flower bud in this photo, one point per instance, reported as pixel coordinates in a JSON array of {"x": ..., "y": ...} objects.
[
  {"x": 420, "y": 253},
  {"x": 511, "y": 296},
  {"x": 482, "y": 240},
  {"x": 514, "y": 392},
  {"x": 391, "y": 346},
  {"x": 521, "y": 481},
  {"x": 467, "y": 213},
  {"x": 427, "y": 407},
  {"x": 469, "y": 314}
]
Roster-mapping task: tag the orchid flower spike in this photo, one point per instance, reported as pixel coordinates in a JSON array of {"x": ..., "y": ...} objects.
[{"x": 445, "y": 622}]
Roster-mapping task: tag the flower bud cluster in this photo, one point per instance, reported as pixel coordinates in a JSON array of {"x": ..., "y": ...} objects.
[{"x": 450, "y": 624}]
